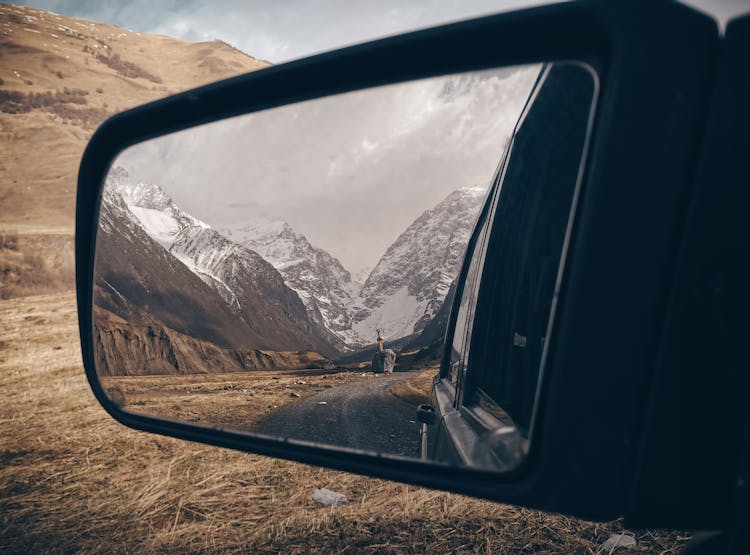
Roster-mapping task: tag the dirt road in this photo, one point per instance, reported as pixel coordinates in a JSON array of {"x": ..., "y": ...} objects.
[{"x": 360, "y": 415}]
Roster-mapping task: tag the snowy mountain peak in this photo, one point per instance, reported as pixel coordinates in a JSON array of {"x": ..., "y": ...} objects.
[
  {"x": 275, "y": 240},
  {"x": 321, "y": 281},
  {"x": 472, "y": 191},
  {"x": 408, "y": 285},
  {"x": 257, "y": 227},
  {"x": 251, "y": 289},
  {"x": 158, "y": 214},
  {"x": 267, "y": 259}
]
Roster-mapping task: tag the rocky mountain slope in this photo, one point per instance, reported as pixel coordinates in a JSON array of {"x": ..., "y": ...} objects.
[
  {"x": 125, "y": 348},
  {"x": 273, "y": 280},
  {"x": 320, "y": 280},
  {"x": 402, "y": 294},
  {"x": 180, "y": 272},
  {"x": 405, "y": 290},
  {"x": 130, "y": 282}
]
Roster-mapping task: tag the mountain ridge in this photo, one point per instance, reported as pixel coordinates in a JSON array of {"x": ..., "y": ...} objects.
[
  {"x": 252, "y": 307},
  {"x": 318, "y": 277},
  {"x": 265, "y": 263},
  {"x": 407, "y": 286}
]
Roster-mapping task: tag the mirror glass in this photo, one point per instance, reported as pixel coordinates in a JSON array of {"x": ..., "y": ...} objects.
[{"x": 296, "y": 272}]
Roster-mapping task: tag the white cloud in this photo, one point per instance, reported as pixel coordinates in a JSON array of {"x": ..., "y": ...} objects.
[{"x": 351, "y": 171}]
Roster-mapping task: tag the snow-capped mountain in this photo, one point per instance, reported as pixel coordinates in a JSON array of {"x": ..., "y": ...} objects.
[
  {"x": 250, "y": 286},
  {"x": 320, "y": 280},
  {"x": 158, "y": 214},
  {"x": 407, "y": 287},
  {"x": 272, "y": 278},
  {"x": 140, "y": 281}
]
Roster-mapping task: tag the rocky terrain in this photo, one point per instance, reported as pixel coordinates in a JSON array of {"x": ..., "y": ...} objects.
[
  {"x": 402, "y": 295},
  {"x": 321, "y": 281},
  {"x": 406, "y": 289},
  {"x": 125, "y": 348}
]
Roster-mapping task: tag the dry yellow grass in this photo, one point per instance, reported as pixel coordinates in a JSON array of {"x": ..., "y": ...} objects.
[
  {"x": 33, "y": 264},
  {"x": 232, "y": 401},
  {"x": 72, "y": 479},
  {"x": 104, "y": 69},
  {"x": 416, "y": 390}
]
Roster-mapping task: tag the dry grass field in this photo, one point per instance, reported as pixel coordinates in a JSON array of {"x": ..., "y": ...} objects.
[
  {"x": 416, "y": 390},
  {"x": 232, "y": 401},
  {"x": 74, "y": 480}
]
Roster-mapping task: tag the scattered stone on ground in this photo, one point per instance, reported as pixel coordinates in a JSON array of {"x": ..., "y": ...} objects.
[
  {"x": 329, "y": 498},
  {"x": 616, "y": 541}
]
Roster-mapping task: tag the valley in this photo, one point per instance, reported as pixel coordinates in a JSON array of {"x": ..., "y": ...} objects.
[{"x": 152, "y": 254}]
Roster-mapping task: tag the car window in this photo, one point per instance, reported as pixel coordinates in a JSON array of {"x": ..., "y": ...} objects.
[{"x": 524, "y": 248}]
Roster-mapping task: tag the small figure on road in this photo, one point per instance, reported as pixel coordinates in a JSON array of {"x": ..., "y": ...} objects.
[{"x": 384, "y": 359}]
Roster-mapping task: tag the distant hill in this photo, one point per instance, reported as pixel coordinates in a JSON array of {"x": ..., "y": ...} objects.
[{"x": 60, "y": 77}]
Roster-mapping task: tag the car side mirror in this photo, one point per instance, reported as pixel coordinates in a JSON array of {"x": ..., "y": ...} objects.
[{"x": 294, "y": 261}]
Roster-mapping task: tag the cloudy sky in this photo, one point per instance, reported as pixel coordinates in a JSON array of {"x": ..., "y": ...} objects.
[
  {"x": 282, "y": 30},
  {"x": 350, "y": 172},
  {"x": 279, "y": 30},
  {"x": 343, "y": 162}
]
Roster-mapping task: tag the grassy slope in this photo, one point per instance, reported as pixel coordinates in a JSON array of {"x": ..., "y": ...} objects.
[
  {"x": 59, "y": 78},
  {"x": 71, "y": 478},
  {"x": 112, "y": 68}
]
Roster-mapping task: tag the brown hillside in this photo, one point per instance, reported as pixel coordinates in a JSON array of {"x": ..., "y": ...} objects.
[
  {"x": 128, "y": 349},
  {"x": 59, "y": 78}
]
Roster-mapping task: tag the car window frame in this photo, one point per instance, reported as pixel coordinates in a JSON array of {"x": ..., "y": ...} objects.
[
  {"x": 469, "y": 406},
  {"x": 477, "y": 417}
]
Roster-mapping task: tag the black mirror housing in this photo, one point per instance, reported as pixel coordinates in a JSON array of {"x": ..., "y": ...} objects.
[{"x": 603, "y": 357}]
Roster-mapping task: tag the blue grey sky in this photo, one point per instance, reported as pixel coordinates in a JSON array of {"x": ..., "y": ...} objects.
[
  {"x": 277, "y": 31},
  {"x": 283, "y": 30}
]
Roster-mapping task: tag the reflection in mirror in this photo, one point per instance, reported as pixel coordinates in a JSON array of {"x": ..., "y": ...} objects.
[{"x": 293, "y": 272}]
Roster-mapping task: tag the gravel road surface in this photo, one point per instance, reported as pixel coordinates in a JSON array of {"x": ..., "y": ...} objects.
[{"x": 361, "y": 415}]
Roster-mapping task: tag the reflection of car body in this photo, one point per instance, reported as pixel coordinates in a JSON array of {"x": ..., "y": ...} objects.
[{"x": 496, "y": 336}]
